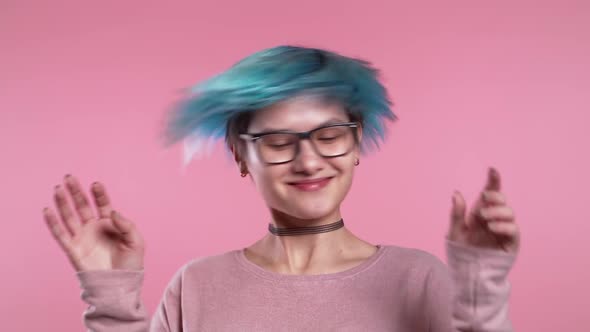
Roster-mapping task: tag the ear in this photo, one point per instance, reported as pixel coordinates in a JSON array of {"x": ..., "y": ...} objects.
[
  {"x": 359, "y": 134},
  {"x": 359, "y": 130},
  {"x": 235, "y": 152},
  {"x": 241, "y": 163}
]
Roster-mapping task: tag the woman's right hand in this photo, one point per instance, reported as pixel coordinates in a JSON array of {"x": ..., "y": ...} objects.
[{"x": 106, "y": 241}]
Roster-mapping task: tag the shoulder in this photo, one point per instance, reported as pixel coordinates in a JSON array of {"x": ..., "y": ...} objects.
[
  {"x": 211, "y": 263},
  {"x": 205, "y": 268},
  {"x": 411, "y": 257},
  {"x": 418, "y": 277},
  {"x": 413, "y": 263}
]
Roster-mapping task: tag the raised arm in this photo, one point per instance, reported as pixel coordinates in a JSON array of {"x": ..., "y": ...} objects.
[
  {"x": 481, "y": 247},
  {"x": 106, "y": 250}
]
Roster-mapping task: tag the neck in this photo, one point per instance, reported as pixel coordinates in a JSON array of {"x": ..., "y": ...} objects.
[
  {"x": 301, "y": 253},
  {"x": 294, "y": 231},
  {"x": 282, "y": 221}
]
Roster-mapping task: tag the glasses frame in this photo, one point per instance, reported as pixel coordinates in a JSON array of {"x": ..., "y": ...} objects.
[{"x": 253, "y": 137}]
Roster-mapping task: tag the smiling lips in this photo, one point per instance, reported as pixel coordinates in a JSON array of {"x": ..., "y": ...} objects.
[{"x": 311, "y": 185}]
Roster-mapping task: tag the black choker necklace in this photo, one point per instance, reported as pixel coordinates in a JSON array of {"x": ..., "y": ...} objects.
[{"x": 305, "y": 230}]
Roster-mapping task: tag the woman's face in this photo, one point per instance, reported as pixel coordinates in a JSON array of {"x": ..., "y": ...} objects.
[{"x": 283, "y": 186}]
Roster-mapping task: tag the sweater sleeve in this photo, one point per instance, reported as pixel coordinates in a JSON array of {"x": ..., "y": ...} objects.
[
  {"x": 114, "y": 300},
  {"x": 480, "y": 287},
  {"x": 114, "y": 303}
]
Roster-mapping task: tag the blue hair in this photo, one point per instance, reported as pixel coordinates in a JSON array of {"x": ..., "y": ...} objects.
[{"x": 276, "y": 74}]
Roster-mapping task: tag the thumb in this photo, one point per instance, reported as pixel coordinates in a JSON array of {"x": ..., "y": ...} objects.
[
  {"x": 458, "y": 209},
  {"x": 126, "y": 229}
]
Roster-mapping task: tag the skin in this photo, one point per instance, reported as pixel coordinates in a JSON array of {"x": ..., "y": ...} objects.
[
  {"x": 490, "y": 222},
  {"x": 95, "y": 237},
  {"x": 93, "y": 240},
  {"x": 289, "y": 207}
]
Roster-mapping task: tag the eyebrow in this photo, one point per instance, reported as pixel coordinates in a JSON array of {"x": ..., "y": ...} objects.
[{"x": 325, "y": 123}]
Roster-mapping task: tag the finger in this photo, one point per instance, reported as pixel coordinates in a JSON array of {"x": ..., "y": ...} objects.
[
  {"x": 491, "y": 197},
  {"x": 458, "y": 209},
  {"x": 65, "y": 212},
  {"x": 59, "y": 234},
  {"x": 101, "y": 200},
  {"x": 126, "y": 229},
  {"x": 493, "y": 182},
  {"x": 500, "y": 212},
  {"x": 507, "y": 229},
  {"x": 79, "y": 198}
]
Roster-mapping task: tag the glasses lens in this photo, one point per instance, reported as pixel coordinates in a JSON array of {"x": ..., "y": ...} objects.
[
  {"x": 277, "y": 148},
  {"x": 333, "y": 141}
]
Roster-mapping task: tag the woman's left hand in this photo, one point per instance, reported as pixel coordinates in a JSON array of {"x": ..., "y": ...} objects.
[{"x": 489, "y": 224}]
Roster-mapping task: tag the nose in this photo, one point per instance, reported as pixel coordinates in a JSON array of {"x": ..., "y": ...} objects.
[{"x": 307, "y": 159}]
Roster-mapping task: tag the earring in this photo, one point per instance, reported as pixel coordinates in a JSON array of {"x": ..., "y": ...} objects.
[
  {"x": 357, "y": 162},
  {"x": 243, "y": 169}
]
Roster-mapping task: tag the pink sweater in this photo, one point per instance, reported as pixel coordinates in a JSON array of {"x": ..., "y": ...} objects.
[{"x": 396, "y": 289}]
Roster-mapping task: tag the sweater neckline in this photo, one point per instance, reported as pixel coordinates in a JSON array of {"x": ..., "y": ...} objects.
[{"x": 240, "y": 255}]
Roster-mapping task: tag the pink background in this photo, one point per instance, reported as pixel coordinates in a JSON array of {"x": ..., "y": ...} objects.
[{"x": 83, "y": 88}]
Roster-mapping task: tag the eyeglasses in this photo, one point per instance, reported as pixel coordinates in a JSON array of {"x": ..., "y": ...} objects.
[{"x": 279, "y": 147}]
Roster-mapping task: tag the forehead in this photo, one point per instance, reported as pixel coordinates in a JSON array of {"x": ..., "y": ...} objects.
[{"x": 299, "y": 114}]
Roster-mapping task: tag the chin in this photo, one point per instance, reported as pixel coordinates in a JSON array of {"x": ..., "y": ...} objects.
[{"x": 310, "y": 212}]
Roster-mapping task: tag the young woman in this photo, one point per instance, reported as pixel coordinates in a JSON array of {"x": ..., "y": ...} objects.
[{"x": 296, "y": 120}]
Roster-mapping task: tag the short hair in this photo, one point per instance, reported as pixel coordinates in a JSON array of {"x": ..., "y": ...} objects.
[{"x": 223, "y": 104}]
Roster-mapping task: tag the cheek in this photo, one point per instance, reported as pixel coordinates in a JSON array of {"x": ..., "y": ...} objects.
[
  {"x": 346, "y": 175},
  {"x": 268, "y": 182},
  {"x": 344, "y": 166}
]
